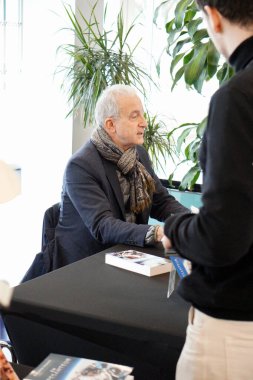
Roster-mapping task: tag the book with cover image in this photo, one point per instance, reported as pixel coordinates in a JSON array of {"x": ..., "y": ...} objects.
[
  {"x": 63, "y": 367},
  {"x": 139, "y": 262}
]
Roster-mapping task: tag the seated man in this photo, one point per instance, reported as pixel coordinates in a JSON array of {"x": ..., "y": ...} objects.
[{"x": 110, "y": 189}]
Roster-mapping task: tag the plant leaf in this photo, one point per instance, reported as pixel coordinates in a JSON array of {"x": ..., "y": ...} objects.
[
  {"x": 201, "y": 127},
  {"x": 178, "y": 75},
  {"x": 199, "y": 35},
  {"x": 180, "y": 12},
  {"x": 98, "y": 61},
  {"x": 188, "y": 57},
  {"x": 193, "y": 26},
  {"x": 179, "y": 127},
  {"x": 190, "y": 13},
  {"x": 190, "y": 178},
  {"x": 194, "y": 68},
  {"x": 175, "y": 61},
  {"x": 171, "y": 37},
  {"x": 179, "y": 46},
  {"x": 182, "y": 137},
  {"x": 169, "y": 26},
  {"x": 157, "y": 10},
  {"x": 198, "y": 84}
]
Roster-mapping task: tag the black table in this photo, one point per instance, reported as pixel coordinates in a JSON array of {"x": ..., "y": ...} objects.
[{"x": 94, "y": 310}]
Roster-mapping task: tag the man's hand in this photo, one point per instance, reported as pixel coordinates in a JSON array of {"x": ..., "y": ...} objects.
[
  {"x": 159, "y": 233},
  {"x": 166, "y": 243}
]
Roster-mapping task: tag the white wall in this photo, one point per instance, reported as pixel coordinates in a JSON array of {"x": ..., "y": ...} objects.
[{"x": 34, "y": 134}]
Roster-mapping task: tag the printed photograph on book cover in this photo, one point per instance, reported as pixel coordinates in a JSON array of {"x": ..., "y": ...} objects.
[
  {"x": 99, "y": 371},
  {"x": 140, "y": 258}
]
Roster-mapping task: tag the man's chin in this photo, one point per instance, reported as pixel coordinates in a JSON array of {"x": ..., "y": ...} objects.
[{"x": 140, "y": 141}]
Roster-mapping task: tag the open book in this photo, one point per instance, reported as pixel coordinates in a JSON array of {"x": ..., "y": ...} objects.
[{"x": 139, "y": 262}]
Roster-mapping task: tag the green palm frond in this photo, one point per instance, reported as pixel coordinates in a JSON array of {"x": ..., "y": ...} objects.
[
  {"x": 157, "y": 143},
  {"x": 98, "y": 59}
]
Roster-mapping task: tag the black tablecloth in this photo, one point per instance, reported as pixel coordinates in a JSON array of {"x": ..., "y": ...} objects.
[{"x": 121, "y": 315}]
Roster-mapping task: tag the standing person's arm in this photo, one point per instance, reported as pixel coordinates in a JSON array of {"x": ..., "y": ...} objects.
[{"x": 221, "y": 233}]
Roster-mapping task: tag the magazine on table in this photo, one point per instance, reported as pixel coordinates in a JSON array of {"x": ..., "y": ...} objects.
[
  {"x": 139, "y": 262},
  {"x": 63, "y": 367}
]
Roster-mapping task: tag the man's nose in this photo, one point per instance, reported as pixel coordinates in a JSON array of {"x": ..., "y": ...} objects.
[{"x": 143, "y": 122}]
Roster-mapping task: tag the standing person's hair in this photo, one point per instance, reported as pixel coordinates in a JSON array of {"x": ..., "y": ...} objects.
[
  {"x": 237, "y": 11},
  {"x": 107, "y": 104}
]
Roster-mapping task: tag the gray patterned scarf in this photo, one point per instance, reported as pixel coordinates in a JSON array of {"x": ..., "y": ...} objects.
[{"x": 142, "y": 185}]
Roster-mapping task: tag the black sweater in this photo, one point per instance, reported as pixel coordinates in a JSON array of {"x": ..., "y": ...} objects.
[{"x": 219, "y": 240}]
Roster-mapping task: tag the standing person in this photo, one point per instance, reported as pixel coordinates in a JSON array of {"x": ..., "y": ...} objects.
[
  {"x": 219, "y": 240},
  {"x": 110, "y": 189}
]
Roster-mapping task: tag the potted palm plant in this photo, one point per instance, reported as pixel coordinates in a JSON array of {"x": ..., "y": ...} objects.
[{"x": 99, "y": 59}]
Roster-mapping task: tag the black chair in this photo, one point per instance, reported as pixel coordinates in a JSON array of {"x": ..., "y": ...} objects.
[
  {"x": 50, "y": 221},
  {"x": 44, "y": 260}
]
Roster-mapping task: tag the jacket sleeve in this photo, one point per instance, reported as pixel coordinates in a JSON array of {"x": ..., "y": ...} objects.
[
  {"x": 89, "y": 191},
  {"x": 222, "y": 231}
]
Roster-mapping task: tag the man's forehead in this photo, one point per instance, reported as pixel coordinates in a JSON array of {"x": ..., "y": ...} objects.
[{"x": 129, "y": 102}]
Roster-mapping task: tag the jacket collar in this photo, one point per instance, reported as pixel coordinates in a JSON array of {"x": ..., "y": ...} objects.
[{"x": 242, "y": 55}]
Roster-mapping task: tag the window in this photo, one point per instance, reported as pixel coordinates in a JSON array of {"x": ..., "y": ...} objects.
[{"x": 11, "y": 37}]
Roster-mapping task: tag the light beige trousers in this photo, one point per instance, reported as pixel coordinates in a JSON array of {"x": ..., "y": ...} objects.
[{"x": 216, "y": 349}]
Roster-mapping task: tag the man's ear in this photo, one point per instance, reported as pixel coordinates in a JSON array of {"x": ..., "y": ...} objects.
[
  {"x": 214, "y": 18},
  {"x": 109, "y": 126}
]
